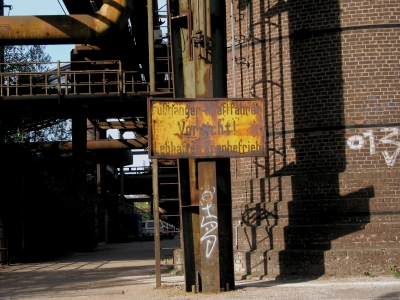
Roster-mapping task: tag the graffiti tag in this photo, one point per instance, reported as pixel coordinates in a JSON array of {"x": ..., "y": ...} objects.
[
  {"x": 209, "y": 222},
  {"x": 356, "y": 142}
]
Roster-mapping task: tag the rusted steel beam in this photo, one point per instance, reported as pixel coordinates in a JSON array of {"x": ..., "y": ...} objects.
[
  {"x": 209, "y": 239},
  {"x": 79, "y": 137},
  {"x": 191, "y": 245},
  {"x": 117, "y": 144},
  {"x": 70, "y": 29},
  {"x": 194, "y": 196},
  {"x": 199, "y": 50},
  {"x": 95, "y": 145},
  {"x": 156, "y": 213},
  {"x": 125, "y": 124},
  {"x": 121, "y": 126}
]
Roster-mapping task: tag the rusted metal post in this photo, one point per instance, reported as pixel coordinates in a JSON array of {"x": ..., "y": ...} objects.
[
  {"x": 2, "y": 54},
  {"x": 157, "y": 250},
  {"x": 2, "y": 47},
  {"x": 233, "y": 49},
  {"x": 206, "y": 219},
  {"x": 2, "y": 234},
  {"x": 156, "y": 215},
  {"x": 209, "y": 241},
  {"x": 58, "y": 80},
  {"x": 121, "y": 183},
  {"x": 79, "y": 138},
  {"x": 194, "y": 230},
  {"x": 120, "y": 79},
  {"x": 150, "y": 12},
  {"x": 193, "y": 181}
]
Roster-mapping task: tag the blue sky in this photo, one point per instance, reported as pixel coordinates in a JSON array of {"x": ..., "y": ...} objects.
[{"x": 41, "y": 7}]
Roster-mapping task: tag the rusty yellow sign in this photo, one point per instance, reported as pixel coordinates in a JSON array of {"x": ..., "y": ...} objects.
[{"x": 189, "y": 128}]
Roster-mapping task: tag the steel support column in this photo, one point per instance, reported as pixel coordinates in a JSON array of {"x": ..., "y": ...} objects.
[
  {"x": 209, "y": 245},
  {"x": 101, "y": 190},
  {"x": 79, "y": 137},
  {"x": 157, "y": 250},
  {"x": 198, "y": 35},
  {"x": 156, "y": 214},
  {"x": 2, "y": 47},
  {"x": 2, "y": 235}
]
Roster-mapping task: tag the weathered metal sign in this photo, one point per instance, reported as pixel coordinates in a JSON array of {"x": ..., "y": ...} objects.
[{"x": 189, "y": 128}]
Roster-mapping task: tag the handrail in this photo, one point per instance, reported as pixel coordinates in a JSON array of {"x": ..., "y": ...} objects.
[{"x": 109, "y": 77}]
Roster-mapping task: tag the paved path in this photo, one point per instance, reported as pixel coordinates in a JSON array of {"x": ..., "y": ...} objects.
[{"x": 126, "y": 271}]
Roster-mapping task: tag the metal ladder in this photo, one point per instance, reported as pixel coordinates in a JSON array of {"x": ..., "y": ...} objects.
[
  {"x": 170, "y": 213},
  {"x": 163, "y": 51}
]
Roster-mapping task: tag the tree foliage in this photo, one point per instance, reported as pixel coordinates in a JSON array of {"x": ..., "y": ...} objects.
[
  {"x": 61, "y": 131},
  {"x": 26, "y": 59},
  {"x": 16, "y": 132}
]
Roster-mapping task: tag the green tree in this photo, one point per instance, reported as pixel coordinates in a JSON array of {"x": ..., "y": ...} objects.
[
  {"x": 20, "y": 60},
  {"x": 61, "y": 130},
  {"x": 26, "y": 59}
]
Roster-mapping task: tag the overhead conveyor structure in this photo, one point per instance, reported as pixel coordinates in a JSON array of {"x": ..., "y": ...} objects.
[
  {"x": 104, "y": 86},
  {"x": 67, "y": 29}
]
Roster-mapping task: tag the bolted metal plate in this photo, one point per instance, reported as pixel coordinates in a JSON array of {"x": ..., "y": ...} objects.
[{"x": 190, "y": 128}]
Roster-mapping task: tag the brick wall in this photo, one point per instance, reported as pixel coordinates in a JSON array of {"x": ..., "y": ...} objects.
[{"x": 326, "y": 200}]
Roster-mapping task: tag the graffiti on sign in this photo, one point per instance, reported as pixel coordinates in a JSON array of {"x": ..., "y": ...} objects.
[{"x": 206, "y": 128}]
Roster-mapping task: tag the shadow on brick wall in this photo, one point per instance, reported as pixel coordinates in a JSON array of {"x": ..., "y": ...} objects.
[{"x": 317, "y": 214}]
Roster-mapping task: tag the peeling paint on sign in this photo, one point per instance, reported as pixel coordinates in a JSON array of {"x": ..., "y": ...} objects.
[{"x": 183, "y": 128}]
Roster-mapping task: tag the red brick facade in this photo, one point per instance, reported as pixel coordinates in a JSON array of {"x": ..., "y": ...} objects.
[{"x": 326, "y": 200}]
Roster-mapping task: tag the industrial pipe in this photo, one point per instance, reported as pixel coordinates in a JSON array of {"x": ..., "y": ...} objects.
[
  {"x": 138, "y": 143},
  {"x": 70, "y": 29}
]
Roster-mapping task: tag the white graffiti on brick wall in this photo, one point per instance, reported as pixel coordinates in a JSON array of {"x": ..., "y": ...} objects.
[
  {"x": 356, "y": 142},
  {"x": 209, "y": 221},
  {"x": 391, "y": 159}
]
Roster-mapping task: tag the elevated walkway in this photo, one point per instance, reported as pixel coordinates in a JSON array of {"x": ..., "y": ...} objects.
[
  {"x": 107, "y": 79},
  {"x": 100, "y": 90}
]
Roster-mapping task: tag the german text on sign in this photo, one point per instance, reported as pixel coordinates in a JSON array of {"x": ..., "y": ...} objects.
[{"x": 206, "y": 128}]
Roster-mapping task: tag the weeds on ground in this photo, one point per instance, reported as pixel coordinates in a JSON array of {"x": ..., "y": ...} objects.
[
  {"x": 366, "y": 273},
  {"x": 394, "y": 271}
]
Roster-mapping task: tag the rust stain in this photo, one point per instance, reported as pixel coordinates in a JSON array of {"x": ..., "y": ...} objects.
[{"x": 182, "y": 128}]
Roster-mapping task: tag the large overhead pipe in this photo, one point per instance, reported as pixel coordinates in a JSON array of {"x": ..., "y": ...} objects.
[
  {"x": 70, "y": 29},
  {"x": 138, "y": 143}
]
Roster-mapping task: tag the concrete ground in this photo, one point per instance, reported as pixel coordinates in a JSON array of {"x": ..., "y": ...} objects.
[{"x": 126, "y": 271}]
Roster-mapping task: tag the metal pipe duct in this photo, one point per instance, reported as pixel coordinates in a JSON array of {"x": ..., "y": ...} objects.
[
  {"x": 70, "y": 29},
  {"x": 138, "y": 143}
]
